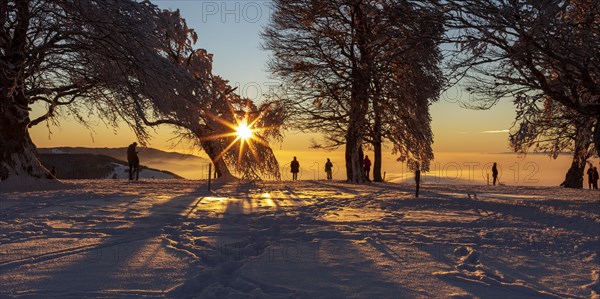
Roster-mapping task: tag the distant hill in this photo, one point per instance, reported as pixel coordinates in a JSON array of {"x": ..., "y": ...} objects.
[
  {"x": 181, "y": 165},
  {"x": 92, "y": 166}
]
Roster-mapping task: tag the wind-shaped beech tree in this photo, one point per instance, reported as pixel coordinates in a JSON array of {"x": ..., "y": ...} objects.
[
  {"x": 248, "y": 153},
  {"x": 116, "y": 59},
  {"x": 222, "y": 112},
  {"x": 354, "y": 68},
  {"x": 540, "y": 51},
  {"x": 222, "y": 119}
]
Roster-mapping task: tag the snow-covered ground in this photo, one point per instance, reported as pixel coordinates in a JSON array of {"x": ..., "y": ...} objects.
[
  {"x": 122, "y": 172},
  {"x": 303, "y": 239}
]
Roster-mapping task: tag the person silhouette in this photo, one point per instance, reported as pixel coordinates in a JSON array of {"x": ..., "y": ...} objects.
[
  {"x": 328, "y": 169},
  {"x": 295, "y": 168},
  {"x": 367, "y": 166},
  {"x": 495, "y": 173},
  {"x": 590, "y": 174},
  {"x": 132, "y": 159}
]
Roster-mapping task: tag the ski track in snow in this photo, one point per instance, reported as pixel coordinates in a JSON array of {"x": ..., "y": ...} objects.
[{"x": 302, "y": 239}]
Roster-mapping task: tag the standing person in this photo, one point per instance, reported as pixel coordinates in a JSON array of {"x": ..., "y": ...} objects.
[
  {"x": 595, "y": 181},
  {"x": 494, "y": 173},
  {"x": 295, "y": 166},
  {"x": 328, "y": 169},
  {"x": 367, "y": 166},
  {"x": 132, "y": 159},
  {"x": 417, "y": 179},
  {"x": 590, "y": 174}
]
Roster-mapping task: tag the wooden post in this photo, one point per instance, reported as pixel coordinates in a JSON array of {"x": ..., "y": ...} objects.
[
  {"x": 384, "y": 176},
  {"x": 417, "y": 181},
  {"x": 488, "y": 179},
  {"x": 209, "y": 175}
]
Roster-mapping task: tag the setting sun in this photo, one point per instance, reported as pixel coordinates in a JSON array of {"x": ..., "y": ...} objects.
[{"x": 243, "y": 131}]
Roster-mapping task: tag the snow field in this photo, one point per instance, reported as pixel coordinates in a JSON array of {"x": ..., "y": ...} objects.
[{"x": 303, "y": 239}]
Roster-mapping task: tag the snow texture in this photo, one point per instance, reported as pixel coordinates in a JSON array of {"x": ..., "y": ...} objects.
[{"x": 302, "y": 239}]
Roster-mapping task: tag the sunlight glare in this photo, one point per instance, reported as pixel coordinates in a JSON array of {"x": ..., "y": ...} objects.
[{"x": 243, "y": 131}]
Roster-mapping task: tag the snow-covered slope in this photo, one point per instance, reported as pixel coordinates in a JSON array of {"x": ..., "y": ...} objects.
[
  {"x": 303, "y": 239},
  {"x": 122, "y": 172}
]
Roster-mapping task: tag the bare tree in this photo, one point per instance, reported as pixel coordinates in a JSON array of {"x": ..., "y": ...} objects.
[
  {"x": 331, "y": 54},
  {"x": 222, "y": 111},
  {"x": 546, "y": 50},
  {"x": 251, "y": 158},
  {"x": 407, "y": 80}
]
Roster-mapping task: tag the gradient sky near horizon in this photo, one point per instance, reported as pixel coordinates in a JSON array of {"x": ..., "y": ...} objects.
[{"x": 230, "y": 31}]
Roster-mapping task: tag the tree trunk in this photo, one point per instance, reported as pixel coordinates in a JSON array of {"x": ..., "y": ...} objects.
[
  {"x": 354, "y": 139},
  {"x": 377, "y": 176},
  {"x": 574, "y": 177},
  {"x": 355, "y": 132},
  {"x": 597, "y": 136},
  {"x": 212, "y": 149},
  {"x": 359, "y": 97},
  {"x": 18, "y": 154},
  {"x": 354, "y": 166},
  {"x": 377, "y": 140}
]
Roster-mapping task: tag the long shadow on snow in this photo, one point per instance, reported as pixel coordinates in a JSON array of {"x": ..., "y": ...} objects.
[
  {"x": 494, "y": 215},
  {"x": 115, "y": 252},
  {"x": 494, "y": 210},
  {"x": 261, "y": 249},
  {"x": 36, "y": 208}
]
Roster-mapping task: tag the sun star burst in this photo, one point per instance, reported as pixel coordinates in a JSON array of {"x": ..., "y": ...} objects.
[{"x": 243, "y": 131}]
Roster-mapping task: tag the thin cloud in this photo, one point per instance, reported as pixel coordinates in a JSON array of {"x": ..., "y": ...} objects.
[{"x": 495, "y": 132}]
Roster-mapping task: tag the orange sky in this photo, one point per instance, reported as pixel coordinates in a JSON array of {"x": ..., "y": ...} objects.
[{"x": 455, "y": 130}]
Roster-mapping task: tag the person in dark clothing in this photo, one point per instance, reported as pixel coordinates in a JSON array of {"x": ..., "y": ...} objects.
[
  {"x": 417, "y": 179},
  {"x": 132, "y": 159},
  {"x": 329, "y": 169},
  {"x": 595, "y": 181},
  {"x": 590, "y": 174},
  {"x": 367, "y": 166},
  {"x": 295, "y": 168},
  {"x": 494, "y": 173}
]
